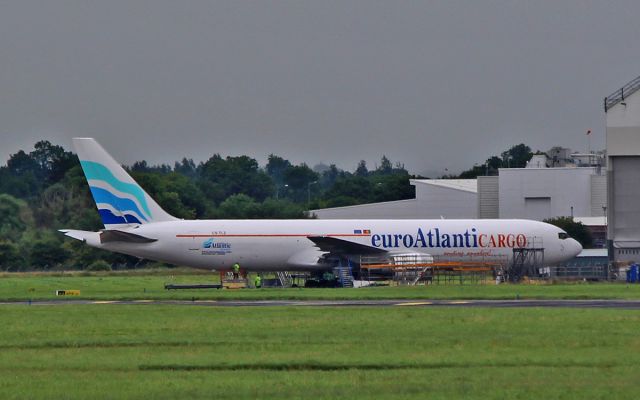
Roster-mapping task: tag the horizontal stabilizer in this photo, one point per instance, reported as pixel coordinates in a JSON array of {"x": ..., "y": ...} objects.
[
  {"x": 91, "y": 238},
  {"x": 339, "y": 246},
  {"x": 113, "y": 235}
]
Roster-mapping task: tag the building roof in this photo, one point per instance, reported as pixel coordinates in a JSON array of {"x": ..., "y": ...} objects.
[
  {"x": 593, "y": 253},
  {"x": 378, "y": 204},
  {"x": 466, "y": 185},
  {"x": 591, "y": 221}
]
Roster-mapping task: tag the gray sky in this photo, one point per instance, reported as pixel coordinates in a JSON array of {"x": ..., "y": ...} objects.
[{"x": 435, "y": 84}]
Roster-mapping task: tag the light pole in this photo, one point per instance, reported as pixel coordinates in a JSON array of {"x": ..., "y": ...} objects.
[{"x": 309, "y": 193}]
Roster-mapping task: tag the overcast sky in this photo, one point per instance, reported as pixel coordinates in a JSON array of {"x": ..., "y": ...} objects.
[{"x": 434, "y": 84}]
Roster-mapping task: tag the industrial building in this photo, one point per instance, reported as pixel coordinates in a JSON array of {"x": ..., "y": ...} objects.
[
  {"x": 622, "y": 110},
  {"x": 532, "y": 193}
]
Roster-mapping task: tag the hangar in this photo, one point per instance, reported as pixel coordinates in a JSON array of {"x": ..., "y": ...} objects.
[
  {"x": 536, "y": 192},
  {"x": 622, "y": 110}
]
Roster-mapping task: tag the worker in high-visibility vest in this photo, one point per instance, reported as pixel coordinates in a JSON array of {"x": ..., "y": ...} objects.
[
  {"x": 258, "y": 282},
  {"x": 236, "y": 271}
]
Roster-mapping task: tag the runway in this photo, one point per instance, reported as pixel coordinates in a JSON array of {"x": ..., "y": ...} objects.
[{"x": 619, "y": 304}]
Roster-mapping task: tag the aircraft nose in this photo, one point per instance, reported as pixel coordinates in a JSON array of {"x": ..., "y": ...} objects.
[{"x": 575, "y": 247}]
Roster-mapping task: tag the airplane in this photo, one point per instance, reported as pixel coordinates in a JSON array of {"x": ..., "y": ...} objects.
[{"x": 136, "y": 225}]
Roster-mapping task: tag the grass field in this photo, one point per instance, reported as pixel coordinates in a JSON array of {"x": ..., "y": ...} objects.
[
  {"x": 169, "y": 352},
  {"x": 150, "y": 285}
]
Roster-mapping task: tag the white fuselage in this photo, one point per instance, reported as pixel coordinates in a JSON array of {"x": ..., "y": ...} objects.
[{"x": 271, "y": 245}]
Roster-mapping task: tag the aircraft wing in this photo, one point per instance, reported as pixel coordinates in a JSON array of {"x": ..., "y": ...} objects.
[
  {"x": 106, "y": 236},
  {"x": 339, "y": 246}
]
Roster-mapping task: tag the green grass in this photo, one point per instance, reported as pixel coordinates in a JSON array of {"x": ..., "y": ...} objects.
[
  {"x": 162, "y": 351},
  {"x": 135, "y": 285}
]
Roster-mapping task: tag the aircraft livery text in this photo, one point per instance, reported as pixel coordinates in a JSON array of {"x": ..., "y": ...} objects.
[{"x": 433, "y": 238}]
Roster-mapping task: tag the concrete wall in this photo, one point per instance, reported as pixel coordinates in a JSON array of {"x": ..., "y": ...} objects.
[
  {"x": 540, "y": 193},
  {"x": 448, "y": 203},
  {"x": 598, "y": 195},
  {"x": 488, "y": 197},
  {"x": 624, "y": 207}
]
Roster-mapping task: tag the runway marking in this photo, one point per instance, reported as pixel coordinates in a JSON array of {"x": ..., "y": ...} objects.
[
  {"x": 417, "y": 303},
  {"x": 619, "y": 304}
]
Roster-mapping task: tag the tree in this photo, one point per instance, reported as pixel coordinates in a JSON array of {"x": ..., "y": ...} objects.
[
  {"x": 393, "y": 187},
  {"x": 362, "y": 170},
  {"x": 281, "y": 209},
  {"x": 142, "y": 166},
  {"x": 576, "y": 230},
  {"x": 53, "y": 160},
  {"x": 276, "y": 167},
  {"x": 356, "y": 188},
  {"x": 187, "y": 197},
  {"x": 238, "y": 206},
  {"x": 517, "y": 156},
  {"x": 21, "y": 177},
  {"x": 476, "y": 171},
  {"x": 221, "y": 178},
  {"x": 328, "y": 177},
  {"x": 186, "y": 167},
  {"x": 15, "y": 216},
  {"x": 494, "y": 163},
  {"x": 299, "y": 177},
  {"x": 47, "y": 251},
  {"x": 10, "y": 258},
  {"x": 385, "y": 167},
  {"x": 21, "y": 164}
]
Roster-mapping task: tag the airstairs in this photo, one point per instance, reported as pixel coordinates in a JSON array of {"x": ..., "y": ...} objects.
[
  {"x": 527, "y": 260},
  {"x": 285, "y": 279},
  {"x": 344, "y": 273}
]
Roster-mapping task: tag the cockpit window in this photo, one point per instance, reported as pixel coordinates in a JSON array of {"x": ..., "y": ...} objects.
[{"x": 563, "y": 235}]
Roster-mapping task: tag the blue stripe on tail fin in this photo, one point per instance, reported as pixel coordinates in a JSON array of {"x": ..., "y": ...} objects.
[{"x": 120, "y": 200}]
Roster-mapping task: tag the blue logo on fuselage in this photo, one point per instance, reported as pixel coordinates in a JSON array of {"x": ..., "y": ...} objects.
[{"x": 211, "y": 247}]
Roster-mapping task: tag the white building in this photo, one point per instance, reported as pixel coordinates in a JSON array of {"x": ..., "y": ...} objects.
[
  {"x": 622, "y": 110},
  {"x": 532, "y": 193},
  {"x": 541, "y": 193}
]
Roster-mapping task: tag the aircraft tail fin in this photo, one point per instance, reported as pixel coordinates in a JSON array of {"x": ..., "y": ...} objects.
[{"x": 120, "y": 200}]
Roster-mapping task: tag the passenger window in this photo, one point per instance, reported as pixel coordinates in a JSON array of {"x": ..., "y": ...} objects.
[{"x": 563, "y": 235}]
